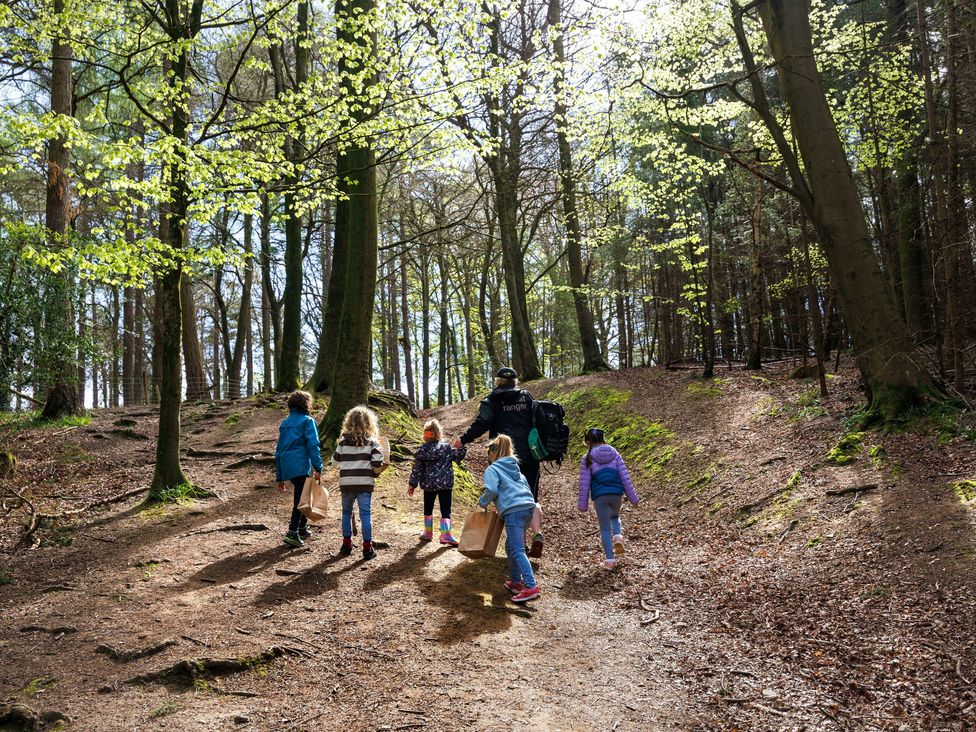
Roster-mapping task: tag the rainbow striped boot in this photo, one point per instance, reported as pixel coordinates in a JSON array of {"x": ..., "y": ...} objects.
[
  {"x": 428, "y": 534},
  {"x": 446, "y": 537}
]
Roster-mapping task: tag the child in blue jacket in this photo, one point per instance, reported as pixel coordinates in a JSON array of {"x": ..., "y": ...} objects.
[
  {"x": 509, "y": 490},
  {"x": 296, "y": 453},
  {"x": 604, "y": 478}
]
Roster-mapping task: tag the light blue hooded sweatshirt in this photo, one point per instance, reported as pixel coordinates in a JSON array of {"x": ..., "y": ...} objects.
[{"x": 506, "y": 487}]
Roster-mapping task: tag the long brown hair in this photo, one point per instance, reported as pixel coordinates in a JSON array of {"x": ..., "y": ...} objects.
[
  {"x": 593, "y": 436},
  {"x": 360, "y": 426}
]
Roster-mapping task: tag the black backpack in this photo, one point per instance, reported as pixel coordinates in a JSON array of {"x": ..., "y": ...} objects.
[{"x": 549, "y": 438}]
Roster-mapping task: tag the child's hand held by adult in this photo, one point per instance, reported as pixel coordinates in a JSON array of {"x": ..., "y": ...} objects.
[{"x": 280, "y": 485}]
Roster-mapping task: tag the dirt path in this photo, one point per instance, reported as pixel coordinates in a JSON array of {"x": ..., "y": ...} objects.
[
  {"x": 418, "y": 638},
  {"x": 804, "y": 612}
]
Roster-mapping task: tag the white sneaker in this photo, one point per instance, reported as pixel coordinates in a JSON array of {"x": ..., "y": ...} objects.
[
  {"x": 618, "y": 545},
  {"x": 610, "y": 564}
]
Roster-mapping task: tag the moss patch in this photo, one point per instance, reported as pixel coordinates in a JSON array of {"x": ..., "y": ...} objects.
[
  {"x": 400, "y": 426},
  {"x": 847, "y": 449},
  {"x": 646, "y": 445},
  {"x": 33, "y": 419},
  {"x": 231, "y": 419},
  {"x": 6, "y": 578},
  {"x": 75, "y": 453},
  {"x": 966, "y": 491},
  {"x": 465, "y": 486},
  {"x": 705, "y": 389},
  {"x": 184, "y": 494},
  {"x": 36, "y": 686}
]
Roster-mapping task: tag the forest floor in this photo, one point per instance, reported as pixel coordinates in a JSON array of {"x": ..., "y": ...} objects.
[{"x": 761, "y": 590}]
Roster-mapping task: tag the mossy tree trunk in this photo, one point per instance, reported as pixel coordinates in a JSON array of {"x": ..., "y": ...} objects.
[
  {"x": 895, "y": 376},
  {"x": 356, "y": 216},
  {"x": 58, "y": 350},
  {"x": 181, "y": 28}
]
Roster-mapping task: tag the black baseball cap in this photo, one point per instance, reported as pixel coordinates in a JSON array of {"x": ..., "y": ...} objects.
[{"x": 507, "y": 372}]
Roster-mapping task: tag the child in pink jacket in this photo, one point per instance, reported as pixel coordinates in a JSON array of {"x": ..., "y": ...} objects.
[{"x": 604, "y": 478}]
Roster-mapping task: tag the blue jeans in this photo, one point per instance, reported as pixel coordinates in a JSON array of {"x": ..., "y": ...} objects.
[
  {"x": 608, "y": 514},
  {"x": 365, "y": 515},
  {"x": 518, "y": 562}
]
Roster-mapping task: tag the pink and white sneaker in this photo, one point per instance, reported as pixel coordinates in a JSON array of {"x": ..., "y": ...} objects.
[
  {"x": 527, "y": 595},
  {"x": 514, "y": 587}
]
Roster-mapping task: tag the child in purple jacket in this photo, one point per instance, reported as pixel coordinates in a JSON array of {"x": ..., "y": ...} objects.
[{"x": 604, "y": 477}]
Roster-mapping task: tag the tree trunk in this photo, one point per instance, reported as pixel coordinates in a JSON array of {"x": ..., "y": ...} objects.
[
  {"x": 173, "y": 231},
  {"x": 139, "y": 357},
  {"x": 443, "y": 348},
  {"x": 405, "y": 323},
  {"x": 197, "y": 388},
  {"x": 425, "y": 327},
  {"x": 356, "y": 172},
  {"x": 592, "y": 357},
  {"x": 893, "y": 372},
  {"x": 755, "y": 323},
  {"x": 59, "y": 367},
  {"x": 289, "y": 356},
  {"x": 270, "y": 305}
]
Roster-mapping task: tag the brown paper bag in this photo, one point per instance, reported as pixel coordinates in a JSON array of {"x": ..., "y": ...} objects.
[
  {"x": 385, "y": 449},
  {"x": 314, "y": 501},
  {"x": 479, "y": 538}
]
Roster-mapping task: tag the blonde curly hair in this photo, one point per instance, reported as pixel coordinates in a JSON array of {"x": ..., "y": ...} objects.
[{"x": 360, "y": 426}]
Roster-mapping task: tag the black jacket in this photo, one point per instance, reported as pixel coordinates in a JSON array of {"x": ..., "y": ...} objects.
[{"x": 506, "y": 410}]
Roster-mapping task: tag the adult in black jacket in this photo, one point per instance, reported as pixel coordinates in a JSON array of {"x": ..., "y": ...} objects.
[{"x": 507, "y": 410}]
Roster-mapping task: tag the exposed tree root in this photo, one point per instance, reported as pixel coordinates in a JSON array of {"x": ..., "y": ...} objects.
[
  {"x": 391, "y": 398},
  {"x": 189, "y": 670},
  {"x": 125, "y": 656},
  {"x": 231, "y": 527},
  {"x": 251, "y": 460},
  {"x": 38, "y": 517},
  {"x": 59, "y": 630},
  {"x": 852, "y": 489}
]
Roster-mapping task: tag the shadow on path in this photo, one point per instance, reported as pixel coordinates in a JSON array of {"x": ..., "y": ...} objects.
[
  {"x": 310, "y": 582},
  {"x": 474, "y": 600},
  {"x": 408, "y": 567},
  {"x": 241, "y": 565}
]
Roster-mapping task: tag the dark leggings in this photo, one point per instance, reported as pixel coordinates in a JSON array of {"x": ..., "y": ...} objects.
[
  {"x": 445, "y": 501},
  {"x": 298, "y": 519},
  {"x": 530, "y": 469}
]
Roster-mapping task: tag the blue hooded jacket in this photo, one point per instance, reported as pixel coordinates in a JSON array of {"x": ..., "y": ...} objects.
[
  {"x": 298, "y": 447},
  {"x": 507, "y": 487}
]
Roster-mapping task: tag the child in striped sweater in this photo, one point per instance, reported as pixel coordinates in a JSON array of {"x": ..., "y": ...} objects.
[{"x": 360, "y": 459}]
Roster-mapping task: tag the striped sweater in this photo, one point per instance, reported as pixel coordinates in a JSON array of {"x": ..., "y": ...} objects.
[{"x": 356, "y": 464}]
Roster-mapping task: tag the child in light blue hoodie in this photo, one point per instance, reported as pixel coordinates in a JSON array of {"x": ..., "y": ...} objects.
[{"x": 509, "y": 490}]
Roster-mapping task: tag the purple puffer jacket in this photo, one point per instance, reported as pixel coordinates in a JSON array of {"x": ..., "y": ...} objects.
[{"x": 606, "y": 470}]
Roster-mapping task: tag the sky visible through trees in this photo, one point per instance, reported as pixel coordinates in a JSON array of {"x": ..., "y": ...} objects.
[{"x": 197, "y": 196}]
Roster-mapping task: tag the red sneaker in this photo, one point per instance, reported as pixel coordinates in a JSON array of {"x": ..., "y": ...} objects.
[
  {"x": 514, "y": 587},
  {"x": 528, "y": 594}
]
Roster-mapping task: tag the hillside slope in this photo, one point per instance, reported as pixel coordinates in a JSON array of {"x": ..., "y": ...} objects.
[{"x": 751, "y": 598}]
